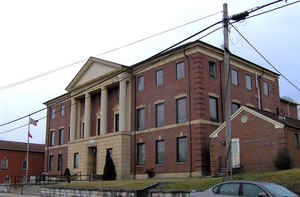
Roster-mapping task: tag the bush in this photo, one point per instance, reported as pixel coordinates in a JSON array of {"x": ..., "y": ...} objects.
[
  {"x": 150, "y": 173},
  {"x": 283, "y": 160},
  {"x": 109, "y": 169}
]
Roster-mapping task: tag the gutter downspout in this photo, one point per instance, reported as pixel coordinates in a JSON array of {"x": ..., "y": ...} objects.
[
  {"x": 189, "y": 109},
  {"x": 134, "y": 127},
  {"x": 48, "y": 138}
]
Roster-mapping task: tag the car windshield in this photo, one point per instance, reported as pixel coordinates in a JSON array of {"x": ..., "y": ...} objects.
[{"x": 278, "y": 190}]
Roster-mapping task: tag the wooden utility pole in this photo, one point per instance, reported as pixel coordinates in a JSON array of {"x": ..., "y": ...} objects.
[{"x": 228, "y": 94}]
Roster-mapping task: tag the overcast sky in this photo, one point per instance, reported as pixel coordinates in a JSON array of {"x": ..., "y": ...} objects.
[{"x": 37, "y": 36}]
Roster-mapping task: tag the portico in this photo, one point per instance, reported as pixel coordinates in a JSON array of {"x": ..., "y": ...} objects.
[{"x": 103, "y": 97}]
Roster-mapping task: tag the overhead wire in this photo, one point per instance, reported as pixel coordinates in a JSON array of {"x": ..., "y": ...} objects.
[
  {"x": 262, "y": 56},
  {"x": 176, "y": 45},
  {"x": 105, "y": 52},
  {"x": 101, "y": 81},
  {"x": 19, "y": 127}
]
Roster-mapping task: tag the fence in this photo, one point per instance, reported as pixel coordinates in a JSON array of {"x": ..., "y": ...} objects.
[{"x": 53, "y": 179}]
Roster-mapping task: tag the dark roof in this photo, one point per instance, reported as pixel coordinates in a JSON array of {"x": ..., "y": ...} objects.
[
  {"x": 21, "y": 146},
  {"x": 290, "y": 122},
  {"x": 288, "y": 101}
]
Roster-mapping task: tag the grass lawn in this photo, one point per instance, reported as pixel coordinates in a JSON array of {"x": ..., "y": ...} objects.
[{"x": 287, "y": 178}]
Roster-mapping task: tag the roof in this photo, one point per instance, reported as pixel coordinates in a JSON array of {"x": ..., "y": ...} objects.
[
  {"x": 88, "y": 64},
  {"x": 289, "y": 122},
  {"x": 199, "y": 43},
  {"x": 277, "y": 120},
  {"x": 21, "y": 146},
  {"x": 60, "y": 98},
  {"x": 287, "y": 100}
]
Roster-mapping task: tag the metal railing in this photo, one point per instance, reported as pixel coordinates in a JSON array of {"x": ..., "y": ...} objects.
[{"x": 53, "y": 179}]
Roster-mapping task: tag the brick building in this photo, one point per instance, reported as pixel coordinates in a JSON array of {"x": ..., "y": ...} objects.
[
  {"x": 13, "y": 161},
  {"x": 157, "y": 114},
  {"x": 257, "y": 137}
]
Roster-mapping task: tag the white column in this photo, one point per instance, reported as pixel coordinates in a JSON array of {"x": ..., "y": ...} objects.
[
  {"x": 87, "y": 115},
  {"x": 122, "y": 102},
  {"x": 103, "y": 110},
  {"x": 73, "y": 119}
]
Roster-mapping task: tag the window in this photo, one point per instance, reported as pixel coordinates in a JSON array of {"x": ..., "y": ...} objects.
[
  {"x": 160, "y": 115},
  {"x": 76, "y": 160},
  {"x": 4, "y": 163},
  {"x": 248, "y": 82},
  {"x": 98, "y": 126},
  {"x": 234, "y": 77},
  {"x": 296, "y": 140},
  {"x": 232, "y": 189},
  {"x": 52, "y": 135},
  {"x": 251, "y": 190},
  {"x": 24, "y": 164},
  {"x": 141, "y": 119},
  {"x": 180, "y": 70},
  {"x": 82, "y": 130},
  {"x": 160, "y": 151},
  {"x": 61, "y": 136},
  {"x": 213, "y": 108},
  {"x": 59, "y": 162},
  {"x": 51, "y": 164},
  {"x": 181, "y": 145},
  {"x": 266, "y": 88},
  {"x": 141, "y": 154},
  {"x": 52, "y": 113},
  {"x": 159, "y": 77},
  {"x": 109, "y": 152},
  {"x": 181, "y": 110},
  {"x": 141, "y": 83},
  {"x": 116, "y": 122},
  {"x": 235, "y": 153},
  {"x": 235, "y": 107},
  {"x": 212, "y": 69},
  {"x": 62, "y": 110}
]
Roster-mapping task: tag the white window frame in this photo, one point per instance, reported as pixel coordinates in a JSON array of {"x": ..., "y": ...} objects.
[{"x": 235, "y": 157}]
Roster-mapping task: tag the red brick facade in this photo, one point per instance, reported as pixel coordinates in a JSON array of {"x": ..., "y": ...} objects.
[
  {"x": 197, "y": 86},
  {"x": 14, "y": 155},
  {"x": 261, "y": 137}
]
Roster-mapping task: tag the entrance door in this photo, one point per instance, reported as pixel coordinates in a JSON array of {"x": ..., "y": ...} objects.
[{"x": 92, "y": 160}]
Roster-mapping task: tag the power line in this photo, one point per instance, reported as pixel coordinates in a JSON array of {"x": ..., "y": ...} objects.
[
  {"x": 273, "y": 9},
  {"x": 108, "y": 77},
  {"x": 106, "y": 52},
  {"x": 25, "y": 125},
  {"x": 261, "y": 55}
]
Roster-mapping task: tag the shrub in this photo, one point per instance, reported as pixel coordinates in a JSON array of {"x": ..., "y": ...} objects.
[
  {"x": 283, "y": 160},
  {"x": 150, "y": 173},
  {"x": 109, "y": 169}
]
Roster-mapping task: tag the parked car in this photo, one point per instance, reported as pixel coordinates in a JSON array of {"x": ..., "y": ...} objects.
[{"x": 246, "y": 189}]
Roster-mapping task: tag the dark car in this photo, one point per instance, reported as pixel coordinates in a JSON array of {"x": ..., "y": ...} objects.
[{"x": 247, "y": 189}]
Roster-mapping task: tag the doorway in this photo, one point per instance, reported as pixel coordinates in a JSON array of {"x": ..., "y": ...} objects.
[{"x": 92, "y": 161}]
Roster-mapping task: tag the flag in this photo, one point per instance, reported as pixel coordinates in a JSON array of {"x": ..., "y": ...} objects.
[
  {"x": 33, "y": 122},
  {"x": 29, "y": 135}
]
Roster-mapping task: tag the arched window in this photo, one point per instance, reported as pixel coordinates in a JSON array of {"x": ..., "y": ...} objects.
[{"x": 4, "y": 163}]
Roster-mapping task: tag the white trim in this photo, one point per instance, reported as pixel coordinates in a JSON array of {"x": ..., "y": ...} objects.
[
  {"x": 244, "y": 108},
  {"x": 213, "y": 95},
  {"x": 180, "y": 96}
]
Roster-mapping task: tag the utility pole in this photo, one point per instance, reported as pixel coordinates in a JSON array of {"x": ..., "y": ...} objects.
[{"x": 228, "y": 94}]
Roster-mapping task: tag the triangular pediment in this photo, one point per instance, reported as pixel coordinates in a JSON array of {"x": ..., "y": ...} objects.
[
  {"x": 243, "y": 110},
  {"x": 93, "y": 69}
]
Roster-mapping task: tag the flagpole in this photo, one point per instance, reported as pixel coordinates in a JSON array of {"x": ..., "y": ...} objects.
[{"x": 27, "y": 153}]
